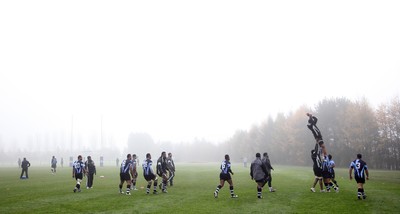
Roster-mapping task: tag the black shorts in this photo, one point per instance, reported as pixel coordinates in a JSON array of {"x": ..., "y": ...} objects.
[
  {"x": 149, "y": 177},
  {"x": 53, "y": 166},
  {"x": 262, "y": 181},
  {"x": 124, "y": 176},
  {"x": 317, "y": 172},
  {"x": 79, "y": 176},
  {"x": 360, "y": 180},
  {"x": 225, "y": 177},
  {"x": 326, "y": 174}
]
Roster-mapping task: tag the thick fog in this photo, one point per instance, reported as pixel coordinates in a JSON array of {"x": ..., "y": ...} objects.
[{"x": 107, "y": 78}]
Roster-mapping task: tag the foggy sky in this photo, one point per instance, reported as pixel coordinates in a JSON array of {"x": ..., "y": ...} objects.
[{"x": 180, "y": 70}]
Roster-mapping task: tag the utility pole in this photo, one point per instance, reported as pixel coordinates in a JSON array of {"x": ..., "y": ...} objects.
[
  {"x": 72, "y": 132},
  {"x": 101, "y": 133}
]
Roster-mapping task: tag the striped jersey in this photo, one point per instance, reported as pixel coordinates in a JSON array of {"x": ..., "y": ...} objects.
[
  {"x": 126, "y": 166},
  {"x": 316, "y": 160},
  {"x": 359, "y": 167},
  {"x": 78, "y": 166},
  {"x": 147, "y": 167},
  {"x": 331, "y": 166},
  {"x": 325, "y": 164},
  {"x": 226, "y": 167}
]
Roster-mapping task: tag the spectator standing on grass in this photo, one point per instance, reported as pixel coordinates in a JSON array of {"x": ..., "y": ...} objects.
[
  {"x": 259, "y": 173},
  {"x": 360, "y": 170},
  {"x": 19, "y": 162},
  {"x": 24, "y": 165},
  {"x": 225, "y": 175},
  {"x": 91, "y": 171},
  {"x": 62, "y": 162},
  {"x": 53, "y": 164}
]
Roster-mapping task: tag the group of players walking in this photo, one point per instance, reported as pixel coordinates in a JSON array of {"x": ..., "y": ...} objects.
[
  {"x": 260, "y": 171},
  {"x": 165, "y": 169},
  {"x": 128, "y": 172}
]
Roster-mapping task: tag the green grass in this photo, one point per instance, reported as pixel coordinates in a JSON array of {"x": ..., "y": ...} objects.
[{"x": 193, "y": 193}]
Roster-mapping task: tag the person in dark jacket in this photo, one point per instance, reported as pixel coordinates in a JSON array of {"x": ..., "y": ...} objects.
[
  {"x": 24, "y": 165},
  {"x": 259, "y": 173},
  {"x": 162, "y": 171},
  {"x": 91, "y": 171},
  {"x": 53, "y": 164},
  {"x": 171, "y": 169}
]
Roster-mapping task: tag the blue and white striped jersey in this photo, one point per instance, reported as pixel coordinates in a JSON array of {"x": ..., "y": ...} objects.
[
  {"x": 226, "y": 167},
  {"x": 359, "y": 167},
  {"x": 78, "y": 166},
  {"x": 147, "y": 167},
  {"x": 126, "y": 165},
  {"x": 325, "y": 164},
  {"x": 331, "y": 166}
]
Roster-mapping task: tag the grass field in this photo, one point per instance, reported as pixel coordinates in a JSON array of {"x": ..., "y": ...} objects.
[{"x": 193, "y": 193}]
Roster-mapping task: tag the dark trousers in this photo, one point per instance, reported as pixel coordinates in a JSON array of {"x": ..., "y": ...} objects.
[
  {"x": 315, "y": 131},
  {"x": 171, "y": 178},
  {"x": 90, "y": 177},
  {"x": 26, "y": 172}
]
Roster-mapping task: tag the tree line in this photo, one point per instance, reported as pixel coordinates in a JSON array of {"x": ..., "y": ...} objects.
[{"x": 348, "y": 127}]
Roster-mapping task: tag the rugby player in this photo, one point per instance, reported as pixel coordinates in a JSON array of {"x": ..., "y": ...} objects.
[
  {"x": 360, "y": 170},
  {"x": 225, "y": 176},
  {"x": 148, "y": 174},
  {"x": 78, "y": 169}
]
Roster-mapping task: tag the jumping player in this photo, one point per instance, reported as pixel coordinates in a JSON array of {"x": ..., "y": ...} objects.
[
  {"x": 312, "y": 125},
  {"x": 148, "y": 174},
  {"x": 225, "y": 176}
]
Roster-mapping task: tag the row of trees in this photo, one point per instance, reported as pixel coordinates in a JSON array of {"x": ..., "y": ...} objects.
[{"x": 348, "y": 128}]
